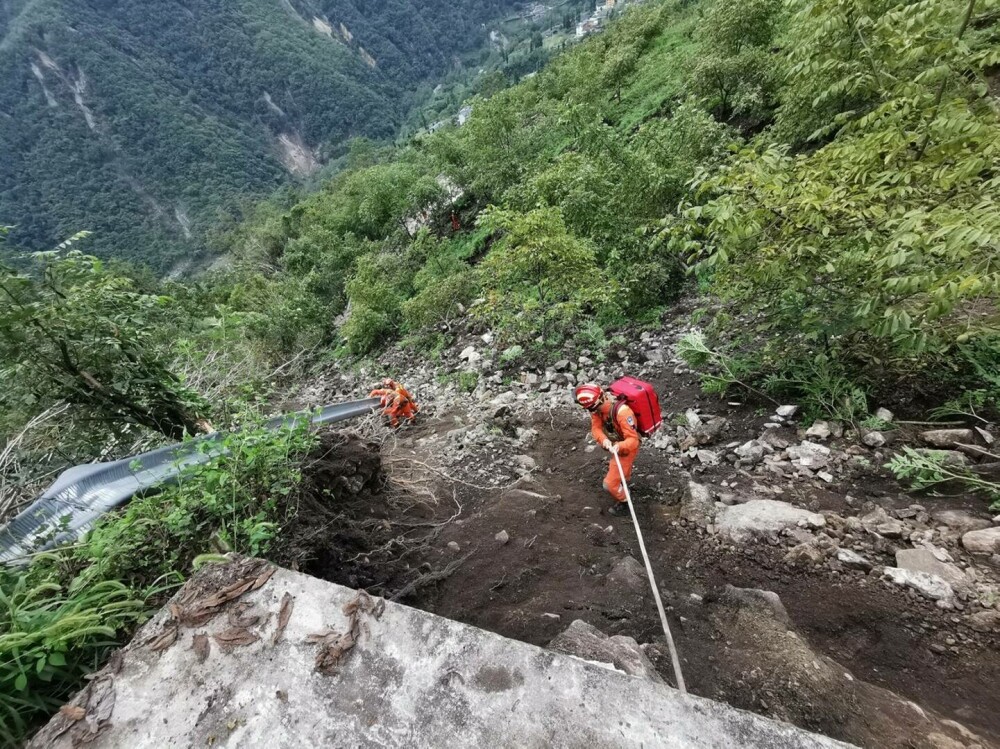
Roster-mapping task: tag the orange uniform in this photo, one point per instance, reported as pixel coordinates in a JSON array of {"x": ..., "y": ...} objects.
[
  {"x": 397, "y": 403},
  {"x": 620, "y": 428}
]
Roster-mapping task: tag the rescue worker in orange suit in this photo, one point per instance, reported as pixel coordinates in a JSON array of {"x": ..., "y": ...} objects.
[
  {"x": 397, "y": 403},
  {"x": 613, "y": 427}
]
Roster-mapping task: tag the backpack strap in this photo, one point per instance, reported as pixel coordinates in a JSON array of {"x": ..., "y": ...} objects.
[{"x": 613, "y": 415}]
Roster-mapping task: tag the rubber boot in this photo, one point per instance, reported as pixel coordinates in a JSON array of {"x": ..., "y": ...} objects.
[{"x": 618, "y": 509}]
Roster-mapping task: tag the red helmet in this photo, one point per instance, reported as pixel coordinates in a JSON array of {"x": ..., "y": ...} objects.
[{"x": 589, "y": 395}]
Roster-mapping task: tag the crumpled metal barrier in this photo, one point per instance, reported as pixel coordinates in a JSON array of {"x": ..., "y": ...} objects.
[{"x": 82, "y": 494}]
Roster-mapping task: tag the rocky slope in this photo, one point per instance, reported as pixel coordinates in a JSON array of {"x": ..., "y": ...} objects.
[{"x": 890, "y": 598}]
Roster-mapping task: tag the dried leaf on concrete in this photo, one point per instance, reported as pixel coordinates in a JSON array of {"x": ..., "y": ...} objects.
[
  {"x": 335, "y": 645},
  {"x": 235, "y": 637},
  {"x": 284, "y": 614},
  {"x": 244, "y": 615},
  {"x": 263, "y": 578},
  {"x": 192, "y": 611},
  {"x": 201, "y": 646},
  {"x": 73, "y": 712},
  {"x": 165, "y": 639}
]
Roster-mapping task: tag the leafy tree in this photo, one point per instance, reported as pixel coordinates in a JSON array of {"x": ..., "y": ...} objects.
[
  {"x": 74, "y": 332},
  {"x": 879, "y": 247},
  {"x": 538, "y": 276},
  {"x": 735, "y": 70}
]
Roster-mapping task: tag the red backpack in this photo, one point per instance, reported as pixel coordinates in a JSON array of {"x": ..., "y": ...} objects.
[{"x": 641, "y": 398}]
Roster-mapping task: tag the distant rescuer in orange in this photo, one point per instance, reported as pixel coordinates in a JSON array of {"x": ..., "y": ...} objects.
[
  {"x": 613, "y": 426},
  {"x": 397, "y": 403}
]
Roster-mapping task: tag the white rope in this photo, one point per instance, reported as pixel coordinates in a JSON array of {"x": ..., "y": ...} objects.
[{"x": 652, "y": 581}]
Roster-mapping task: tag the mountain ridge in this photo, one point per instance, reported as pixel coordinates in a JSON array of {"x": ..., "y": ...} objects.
[{"x": 146, "y": 124}]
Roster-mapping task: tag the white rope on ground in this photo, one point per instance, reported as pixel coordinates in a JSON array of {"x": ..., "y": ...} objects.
[{"x": 652, "y": 581}]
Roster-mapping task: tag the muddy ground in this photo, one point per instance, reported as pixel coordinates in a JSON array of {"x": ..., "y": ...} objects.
[{"x": 851, "y": 656}]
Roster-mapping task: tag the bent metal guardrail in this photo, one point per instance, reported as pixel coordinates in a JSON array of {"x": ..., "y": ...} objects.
[{"x": 82, "y": 494}]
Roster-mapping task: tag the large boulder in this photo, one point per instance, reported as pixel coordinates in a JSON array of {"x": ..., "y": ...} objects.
[
  {"x": 761, "y": 518},
  {"x": 985, "y": 541},
  {"x": 591, "y": 644},
  {"x": 922, "y": 560},
  {"x": 985, "y": 621},
  {"x": 929, "y": 586}
]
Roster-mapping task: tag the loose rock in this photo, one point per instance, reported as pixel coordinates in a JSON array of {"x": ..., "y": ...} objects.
[
  {"x": 805, "y": 554},
  {"x": 985, "y": 621},
  {"x": 960, "y": 520},
  {"x": 947, "y": 438},
  {"x": 708, "y": 457},
  {"x": 820, "y": 431},
  {"x": 751, "y": 452},
  {"x": 589, "y": 643},
  {"x": 629, "y": 574},
  {"x": 874, "y": 439},
  {"x": 985, "y": 541},
  {"x": 929, "y": 586},
  {"x": 853, "y": 560},
  {"x": 761, "y": 518},
  {"x": 810, "y": 455},
  {"x": 697, "y": 505},
  {"x": 922, "y": 560}
]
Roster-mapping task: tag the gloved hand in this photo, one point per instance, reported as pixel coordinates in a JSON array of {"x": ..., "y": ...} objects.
[{"x": 607, "y": 445}]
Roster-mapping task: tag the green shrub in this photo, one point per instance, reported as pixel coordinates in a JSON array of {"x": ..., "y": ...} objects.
[
  {"x": 928, "y": 469},
  {"x": 235, "y": 502},
  {"x": 365, "y": 329},
  {"x": 439, "y": 301},
  {"x": 539, "y": 279},
  {"x": 511, "y": 354},
  {"x": 468, "y": 381}
]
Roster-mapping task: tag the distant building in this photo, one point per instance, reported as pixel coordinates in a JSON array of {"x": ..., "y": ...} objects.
[{"x": 464, "y": 114}]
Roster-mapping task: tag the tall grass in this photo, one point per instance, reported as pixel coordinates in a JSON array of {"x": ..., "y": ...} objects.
[{"x": 51, "y": 636}]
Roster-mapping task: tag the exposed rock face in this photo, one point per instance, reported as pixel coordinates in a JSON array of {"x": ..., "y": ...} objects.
[
  {"x": 589, "y": 643},
  {"x": 762, "y": 518}
]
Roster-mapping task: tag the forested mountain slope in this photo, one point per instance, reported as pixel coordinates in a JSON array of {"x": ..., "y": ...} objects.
[{"x": 142, "y": 121}]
